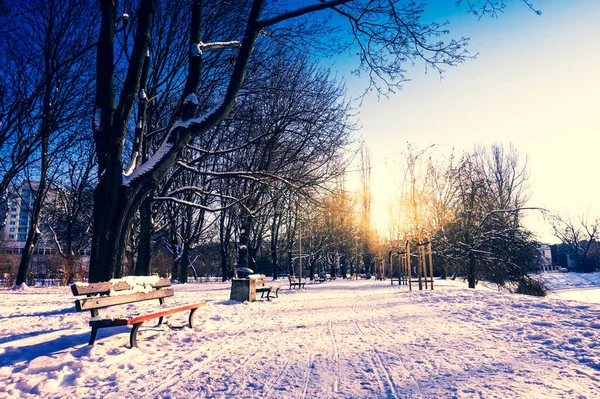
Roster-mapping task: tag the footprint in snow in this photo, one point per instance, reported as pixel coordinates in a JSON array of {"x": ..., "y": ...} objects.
[
  {"x": 542, "y": 323},
  {"x": 537, "y": 337}
]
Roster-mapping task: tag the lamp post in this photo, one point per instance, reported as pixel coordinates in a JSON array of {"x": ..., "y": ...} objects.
[{"x": 300, "y": 251}]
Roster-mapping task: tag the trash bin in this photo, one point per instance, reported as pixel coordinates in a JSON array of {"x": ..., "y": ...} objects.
[{"x": 243, "y": 289}]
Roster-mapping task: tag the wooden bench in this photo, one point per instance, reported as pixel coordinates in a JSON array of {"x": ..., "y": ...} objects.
[
  {"x": 263, "y": 287},
  {"x": 124, "y": 291},
  {"x": 318, "y": 279},
  {"x": 295, "y": 283}
]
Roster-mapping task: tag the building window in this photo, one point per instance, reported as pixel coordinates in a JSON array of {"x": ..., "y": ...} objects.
[
  {"x": 13, "y": 223},
  {"x": 12, "y": 229},
  {"x": 22, "y": 237},
  {"x": 13, "y": 216},
  {"x": 11, "y": 236}
]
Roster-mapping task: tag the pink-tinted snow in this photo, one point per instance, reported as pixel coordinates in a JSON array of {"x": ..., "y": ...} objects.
[{"x": 341, "y": 339}]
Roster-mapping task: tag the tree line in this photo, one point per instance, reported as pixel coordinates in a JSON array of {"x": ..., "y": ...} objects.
[{"x": 166, "y": 124}]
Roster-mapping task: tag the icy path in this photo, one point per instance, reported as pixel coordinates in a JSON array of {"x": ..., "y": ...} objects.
[{"x": 361, "y": 339}]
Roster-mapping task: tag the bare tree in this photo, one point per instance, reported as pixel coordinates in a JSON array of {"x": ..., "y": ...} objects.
[
  {"x": 366, "y": 232},
  {"x": 69, "y": 217},
  {"x": 62, "y": 65},
  {"x": 486, "y": 232},
  {"x": 581, "y": 238}
]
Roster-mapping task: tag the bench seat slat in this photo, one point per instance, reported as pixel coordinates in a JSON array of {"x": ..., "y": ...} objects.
[
  {"x": 104, "y": 288},
  {"x": 141, "y": 319},
  {"x": 98, "y": 288},
  {"x": 106, "y": 301}
]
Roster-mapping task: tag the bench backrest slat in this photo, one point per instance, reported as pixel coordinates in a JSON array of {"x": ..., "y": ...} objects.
[
  {"x": 106, "y": 287},
  {"x": 106, "y": 301}
]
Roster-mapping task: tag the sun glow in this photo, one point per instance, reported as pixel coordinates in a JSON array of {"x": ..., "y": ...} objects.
[{"x": 534, "y": 84}]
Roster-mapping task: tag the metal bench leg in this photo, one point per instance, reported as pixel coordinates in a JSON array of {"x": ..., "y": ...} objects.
[
  {"x": 160, "y": 321},
  {"x": 191, "y": 320},
  {"x": 133, "y": 336},
  {"x": 93, "y": 335},
  {"x": 277, "y": 292}
]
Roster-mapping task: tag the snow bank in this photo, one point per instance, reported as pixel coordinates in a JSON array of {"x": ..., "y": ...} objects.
[
  {"x": 342, "y": 339},
  {"x": 21, "y": 287}
]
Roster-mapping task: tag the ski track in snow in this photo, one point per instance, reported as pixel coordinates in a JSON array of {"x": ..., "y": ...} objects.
[
  {"x": 342, "y": 339},
  {"x": 267, "y": 391},
  {"x": 336, "y": 384},
  {"x": 377, "y": 365},
  {"x": 401, "y": 355},
  {"x": 307, "y": 376}
]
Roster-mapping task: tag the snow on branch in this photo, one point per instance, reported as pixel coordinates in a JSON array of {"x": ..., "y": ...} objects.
[
  {"x": 199, "y": 206},
  {"x": 197, "y": 48},
  {"x": 132, "y": 163},
  {"x": 191, "y": 98},
  {"x": 130, "y": 175},
  {"x": 194, "y": 121},
  {"x": 97, "y": 119},
  {"x": 55, "y": 238}
]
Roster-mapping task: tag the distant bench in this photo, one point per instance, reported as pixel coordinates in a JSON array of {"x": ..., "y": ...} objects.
[
  {"x": 124, "y": 291},
  {"x": 400, "y": 280},
  {"x": 295, "y": 283}
]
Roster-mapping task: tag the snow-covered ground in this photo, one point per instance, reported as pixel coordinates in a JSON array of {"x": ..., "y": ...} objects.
[
  {"x": 583, "y": 287},
  {"x": 342, "y": 339},
  {"x": 563, "y": 281}
]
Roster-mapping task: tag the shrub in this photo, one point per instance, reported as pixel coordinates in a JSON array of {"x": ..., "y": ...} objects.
[{"x": 531, "y": 286}]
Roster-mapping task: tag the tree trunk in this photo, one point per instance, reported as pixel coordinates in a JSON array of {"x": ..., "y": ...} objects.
[
  {"x": 224, "y": 232},
  {"x": 290, "y": 259},
  {"x": 274, "y": 258},
  {"x": 334, "y": 264},
  {"x": 115, "y": 203},
  {"x": 224, "y": 268},
  {"x": 472, "y": 271},
  {"x": 27, "y": 255},
  {"x": 111, "y": 220},
  {"x": 311, "y": 269},
  {"x": 142, "y": 267},
  {"x": 244, "y": 252},
  {"x": 33, "y": 234},
  {"x": 343, "y": 265},
  {"x": 185, "y": 263}
]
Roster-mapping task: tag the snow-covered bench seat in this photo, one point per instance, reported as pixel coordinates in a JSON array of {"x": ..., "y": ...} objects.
[
  {"x": 125, "y": 291},
  {"x": 263, "y": 286}
]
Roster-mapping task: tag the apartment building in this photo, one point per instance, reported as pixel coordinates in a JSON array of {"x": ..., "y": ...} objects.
[{"x": 15, "y": 217}]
